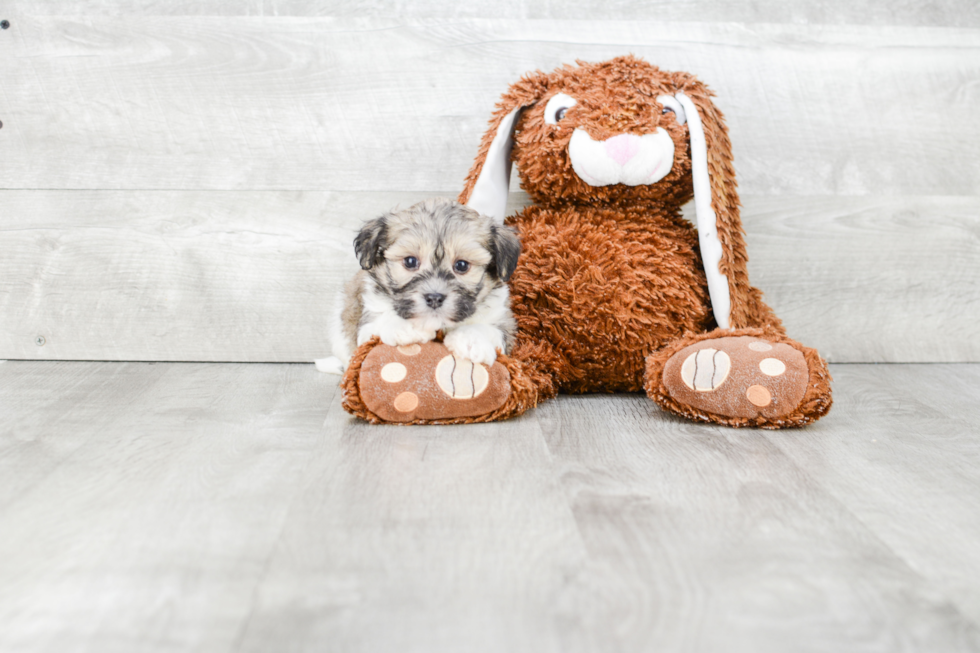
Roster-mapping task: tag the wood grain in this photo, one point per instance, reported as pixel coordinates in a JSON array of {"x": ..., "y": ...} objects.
[
  {"x": 884, "y": 279},
  {"x": 251, "y": 276},
  {"x": 47, "y": 414},
  {"x": 177, "y": 276},
  {"x": 418, "y": 539},
  {"x": 229, "y": 507},
  {"x": 949, "y": 13},
  {"x": 140, "y": 506},
  {"x": 901, "y": 453},
  {"x": 377, "y": 104},
  {"x": 706, "y": 538}
]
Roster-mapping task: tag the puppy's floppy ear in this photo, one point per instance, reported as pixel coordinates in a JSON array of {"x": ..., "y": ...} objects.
[
  {"x": 716, "y": 203},
  {"x": 505, "y": 246},
  {"x": 488, "y": 182},
  {"x": 370, "y": 242}
]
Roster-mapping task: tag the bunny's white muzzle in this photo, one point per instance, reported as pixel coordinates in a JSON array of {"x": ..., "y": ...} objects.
[{"x": 624, "y": 159}]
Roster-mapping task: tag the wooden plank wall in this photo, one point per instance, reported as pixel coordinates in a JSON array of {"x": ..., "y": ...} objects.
[{"x": 182, "y": 180}]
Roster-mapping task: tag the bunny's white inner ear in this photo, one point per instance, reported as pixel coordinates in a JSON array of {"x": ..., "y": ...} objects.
[
  {"x": 721, "y": 302},
  {"x": 489, "y": 194}
]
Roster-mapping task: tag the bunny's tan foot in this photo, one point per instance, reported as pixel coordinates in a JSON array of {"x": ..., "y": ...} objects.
[
  {"x": 746, "y": 377},
  {"x": 427, "y": 384}
]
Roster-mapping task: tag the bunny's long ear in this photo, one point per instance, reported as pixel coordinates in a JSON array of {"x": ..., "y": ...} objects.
[
  {"x": 488, "y": 182},
  {"x": 716, "y": 204}
]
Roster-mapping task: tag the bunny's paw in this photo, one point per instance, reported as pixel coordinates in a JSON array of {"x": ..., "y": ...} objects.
[
  {"x": 745, "y": 380},
  {"x": 427, "y": 382}
]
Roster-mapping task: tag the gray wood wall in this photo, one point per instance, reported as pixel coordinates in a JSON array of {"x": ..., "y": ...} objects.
[{"x": 182, "y": 180}]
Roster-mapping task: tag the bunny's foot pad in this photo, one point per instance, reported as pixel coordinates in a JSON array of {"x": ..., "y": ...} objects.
[
  {"x": 746, "y": 380},
  {"x": 422, "y": 383},
  {"x": 738, "y": 377}
]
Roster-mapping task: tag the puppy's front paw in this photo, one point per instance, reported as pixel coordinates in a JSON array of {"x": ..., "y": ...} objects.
[
  {"x": 397, "y": 334},
  {"x": 475, "y": 342}
]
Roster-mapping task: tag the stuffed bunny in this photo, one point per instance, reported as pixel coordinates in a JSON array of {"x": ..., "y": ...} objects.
[{"x": 614, "y": 290}]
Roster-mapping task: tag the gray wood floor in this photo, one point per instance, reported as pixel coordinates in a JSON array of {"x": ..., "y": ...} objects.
[{"x": 236, "y": 507}]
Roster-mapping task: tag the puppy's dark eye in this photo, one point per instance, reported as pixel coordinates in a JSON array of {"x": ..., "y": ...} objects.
[
  {"x": 667, "y": 110},
  {"x": 461, "y": 267},
  {"x": 410, "y": 262},
  {"x": 561, "y": 113}
]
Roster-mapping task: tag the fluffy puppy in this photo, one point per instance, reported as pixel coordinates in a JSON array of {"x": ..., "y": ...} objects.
[{"x": 436, "y": 266}]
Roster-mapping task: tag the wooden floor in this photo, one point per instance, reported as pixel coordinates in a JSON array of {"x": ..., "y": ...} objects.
[{"x": 236, "y": 507}]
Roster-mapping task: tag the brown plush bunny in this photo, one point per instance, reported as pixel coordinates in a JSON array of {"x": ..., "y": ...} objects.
[{"x": 614, "y": 290}]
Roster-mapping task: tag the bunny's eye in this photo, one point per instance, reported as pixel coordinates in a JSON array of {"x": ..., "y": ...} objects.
[
  {"x": 672, "y": 106},
  {"x": 557, "y": 106}
]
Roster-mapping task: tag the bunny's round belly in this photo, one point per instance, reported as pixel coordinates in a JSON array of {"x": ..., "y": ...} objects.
[{"x": 603, "y": 289}]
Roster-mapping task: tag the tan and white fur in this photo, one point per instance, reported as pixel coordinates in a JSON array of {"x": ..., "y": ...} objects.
[{"x": 435, "y": 266}]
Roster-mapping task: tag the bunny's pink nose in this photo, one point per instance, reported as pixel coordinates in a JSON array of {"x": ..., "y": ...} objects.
[{"x": 622, "y": 148}]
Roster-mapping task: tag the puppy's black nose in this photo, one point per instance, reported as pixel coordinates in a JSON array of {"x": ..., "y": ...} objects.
[{"x": 434, "y": 299}]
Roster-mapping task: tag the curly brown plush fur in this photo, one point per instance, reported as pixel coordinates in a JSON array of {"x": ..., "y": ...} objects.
[{"x": 611, "y": 280}]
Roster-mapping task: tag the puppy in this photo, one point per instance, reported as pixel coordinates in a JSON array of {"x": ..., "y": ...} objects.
[{"x": 436, "y": 266}]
